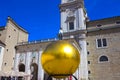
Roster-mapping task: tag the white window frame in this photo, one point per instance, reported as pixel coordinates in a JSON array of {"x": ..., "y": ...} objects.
[{"x": 101, "y": 43}]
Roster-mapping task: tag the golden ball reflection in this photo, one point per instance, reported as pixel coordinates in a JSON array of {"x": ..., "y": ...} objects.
[{"x": 60, "y": 57}]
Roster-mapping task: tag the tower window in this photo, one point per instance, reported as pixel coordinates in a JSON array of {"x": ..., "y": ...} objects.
[
  {"x": 71, "y": 25},
  {"x": 101, "y": 43},
  {"x": 103, "y": 58}
]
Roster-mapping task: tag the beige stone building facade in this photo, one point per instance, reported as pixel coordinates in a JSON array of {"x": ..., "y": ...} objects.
[
  {"x": 10, "y": 35},
  {"x": 98, "y": 41},
  {"x": 103, "y": 49}
]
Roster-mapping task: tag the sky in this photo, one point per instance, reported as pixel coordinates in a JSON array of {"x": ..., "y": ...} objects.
[{"x": 41, "y": 18}]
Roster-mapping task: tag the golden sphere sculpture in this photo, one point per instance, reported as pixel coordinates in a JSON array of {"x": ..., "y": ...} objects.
[{"x": 60, "y": 58}]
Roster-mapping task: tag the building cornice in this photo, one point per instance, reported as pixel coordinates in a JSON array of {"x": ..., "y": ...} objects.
[
  {"x": 105, "y": 21},
  {"x": 103, "y": 31},
  {"x": 107, "y": 27},
  {"x": 36, "y": 46},
  {"x": 65, "y": 34},
  {"x": 103, "y": 24}
]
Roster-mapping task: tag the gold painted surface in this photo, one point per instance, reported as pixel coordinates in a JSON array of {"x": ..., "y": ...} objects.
[{"x": 60, "y": 57}]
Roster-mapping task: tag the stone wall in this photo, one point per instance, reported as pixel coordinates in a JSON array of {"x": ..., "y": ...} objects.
[{"x": 104, "y": 70}]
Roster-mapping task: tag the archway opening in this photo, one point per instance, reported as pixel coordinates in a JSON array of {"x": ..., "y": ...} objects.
[
  {"x": 34, "y": 71},
  {"x": 21, "y": 69}
]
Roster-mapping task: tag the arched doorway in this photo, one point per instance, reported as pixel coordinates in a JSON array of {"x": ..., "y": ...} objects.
[
  {"x": 21, "y": 69},
  {"x": 34, "y": 71}
]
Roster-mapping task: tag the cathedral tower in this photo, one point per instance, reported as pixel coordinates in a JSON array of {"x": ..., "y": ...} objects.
[
  {"x": 73, "y": 25},
  {"x": 73, "y": 15}
]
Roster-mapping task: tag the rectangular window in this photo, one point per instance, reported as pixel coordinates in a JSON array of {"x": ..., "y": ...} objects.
[
  {"x": 71, "y": 25},
  {"x": 104, "y": 42},
  {"x": 101, "y": 43}
]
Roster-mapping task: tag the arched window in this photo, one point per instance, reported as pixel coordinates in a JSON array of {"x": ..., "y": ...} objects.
[
  {"x": 21, "y": 67},
  {"x": 103, "y": 58}
]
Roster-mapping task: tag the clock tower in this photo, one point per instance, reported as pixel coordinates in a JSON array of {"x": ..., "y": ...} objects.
[{"x": 73, "y": 25}]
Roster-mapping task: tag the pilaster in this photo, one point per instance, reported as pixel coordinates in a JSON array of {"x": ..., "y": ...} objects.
[
  {"x": 83, "y": 64},
  {"x": 81, "y": 19},
  {"x": 63, "y": 24},
  {"x": 27, "y": 64},
  {"x": 40, "y": 70},
  {"x": 16, "y": 63}
]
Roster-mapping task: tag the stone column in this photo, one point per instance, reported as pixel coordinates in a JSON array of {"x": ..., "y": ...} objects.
[
  {"x": 27, "y": 64},
  {"x": 16, "y": 63},
  {"x": 40, "y": 70},
  {"x": 83, "y": 64}
]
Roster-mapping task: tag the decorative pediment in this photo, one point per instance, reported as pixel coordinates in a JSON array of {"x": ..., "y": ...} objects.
[
  {"x": 70, "y": 12},
  {"x": 70, "y": 19}
]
